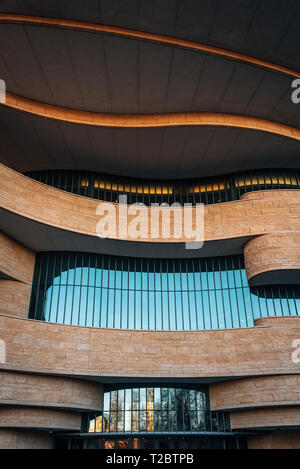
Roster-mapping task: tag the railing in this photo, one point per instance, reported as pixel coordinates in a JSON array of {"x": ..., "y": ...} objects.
[{"x": 208, "y": 190}]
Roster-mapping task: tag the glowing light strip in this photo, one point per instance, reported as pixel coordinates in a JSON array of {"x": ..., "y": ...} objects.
[{"x": 141, "y": 35}]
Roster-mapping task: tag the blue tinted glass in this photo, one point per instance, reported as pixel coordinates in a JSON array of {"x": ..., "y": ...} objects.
[
  {"x": 241, "y": 307},
  {"x": 152, "y": 312},
  {"x": 211, "y": 283},
  {"x": 125, "y": 299},
  {"x": 203, "y": 281},
  {"x": 138, "y": 281},
  {"x": 125, "y": 276},
  {"x": 93, "y": 290},
  {"x": 255, "y": 304},
  {"x": 164, "y": 281},
  {"x": 138, "y": 310},
  {"x": 238, "y": 278},
  {"x": 234, "y": 308},
  {"x": 206, "y": 311},
  {"x": 224, "y": 279},
  {"x": 217, "y": 278},
  {"x": 151, "y": 281},
  {"x": 193, "y": 315},
  {"x": 104, "y": 298},
  {"x": 144, "y": 281},
  {"x": 227, "y": 308},
  {"x": 82, "y": 306},
  {"x": 248, "y": 307},
  {"x": 220, "y": 309},
  {"x": 199, "y": 310},
  {"x": 165, "y": 310},
  {"x": 145, "y": 310},
  {"x": 298, "y": 305},
  {"x": 186, "y": 311},
  {"x": 97, "y": 307},
  {"x": 177, "y": 281},
  {"x": 131, "y": 309},
  {"x": 179, "y": 310},
  {"x": 230, "y": 277},
  {"x": 213, "y": 310},
  {"x": 85, "y": 276},
  {"x": 263, "y": 306},
  {"x": 118, "y": 279},
  {"x": 158, "y": 309},
  {"x": 172, "y": 308},
  {"x": 104, "y": 278},
  {"x": 184, "y": 284}
]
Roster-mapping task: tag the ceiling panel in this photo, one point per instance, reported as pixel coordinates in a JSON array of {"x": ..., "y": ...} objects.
[
  {"x": 31, "y": 143},
  {"x": 109, "y": 74},
  {"x": 105, "y": 73},
  {"x": 265, "y": 28}
]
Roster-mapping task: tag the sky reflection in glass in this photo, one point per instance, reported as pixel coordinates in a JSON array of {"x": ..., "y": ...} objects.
[{"x": 127, "y": 293}]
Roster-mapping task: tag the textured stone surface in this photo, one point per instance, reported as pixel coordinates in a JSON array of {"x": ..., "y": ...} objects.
[
  {"x": 273, "y": 252},
  {"x": 16, "y": 261},
  {"x": 255, "y": 392},
  {"x": 266, "y": 418},
  {"x": 14, "y": 298},
  {"x": 32, "y": 417},
  {"x": 255, "y": 214},
  {"x": 50, "y": 391},
  {"x": 18, "y": 439},
  {"x": 276, "y": 440},
  {"x": 53, "y": 348},
  {"x": 16, "y": 266}
]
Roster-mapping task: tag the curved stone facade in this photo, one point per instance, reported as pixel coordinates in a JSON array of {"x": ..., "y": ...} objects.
[
  {"x": 255, "y": 214},
  {"x": 40, "y": 419},
  {"x": 14, "y": 298},
  {"x": 266, "y": 418},
  {"x": 276, "y": 440},
  {"x": 16, "y": 261},
  {"x": 83, "y": 351},
  {"x": 50, "y": 391},
  {"x": 18, "y": 439},
  {"x": 273, "y": 258},
  {"x": 255, "y": 392}
]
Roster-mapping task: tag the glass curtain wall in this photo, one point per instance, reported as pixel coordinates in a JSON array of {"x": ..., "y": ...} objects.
[{"x": 153, "y": 294}]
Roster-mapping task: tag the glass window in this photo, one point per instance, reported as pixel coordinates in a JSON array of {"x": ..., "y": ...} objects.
[
  {"x": 93, "y": 290},
  {"x": 212, "y": 190},
  {"x": 151, "y": 409}
]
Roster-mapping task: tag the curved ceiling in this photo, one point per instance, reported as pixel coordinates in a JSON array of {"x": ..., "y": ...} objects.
[
  {"x": 179, "y": 119},
  {"x": 144, "y": 36},
  {"x": 267, "y": 29},
  {"x": 102, "y": 73},
  {"x": 109, "y": 74},
  {"x": 29, "y": 142}
]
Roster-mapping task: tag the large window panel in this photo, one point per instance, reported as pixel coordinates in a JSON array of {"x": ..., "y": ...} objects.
[
  {"x": 148, "y": 294},
  {"x": 154, "y": 409}
]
